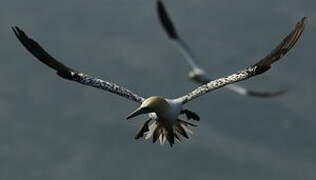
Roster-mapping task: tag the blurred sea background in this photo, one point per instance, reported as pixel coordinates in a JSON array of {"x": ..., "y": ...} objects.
[{"x": 56, "y": 129}]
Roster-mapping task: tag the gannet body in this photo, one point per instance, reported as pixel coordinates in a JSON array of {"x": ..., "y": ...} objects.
[
  {"x": 163, "y": 123},
  {"x": 197, "y": 74}
]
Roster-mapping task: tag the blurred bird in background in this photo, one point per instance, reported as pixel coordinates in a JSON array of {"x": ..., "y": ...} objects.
[{"x": 198, "y": 74}]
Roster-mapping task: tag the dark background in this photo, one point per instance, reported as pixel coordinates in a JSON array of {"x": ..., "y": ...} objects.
[{"x": 54, "y": 129}]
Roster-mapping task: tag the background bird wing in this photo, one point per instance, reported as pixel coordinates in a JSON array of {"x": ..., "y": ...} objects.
[
  {"x": 262, "y": 66},
  {"x": 65, "y": 72},
  {"x": 260, "y": 94},
  {"x": 189, "y": 56},
  {"x": 171, "y": 31}
]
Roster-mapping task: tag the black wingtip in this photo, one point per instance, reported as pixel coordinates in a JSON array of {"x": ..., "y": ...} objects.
[
  {"x": 36, "y": 50},
  {"x": 165, "y": 21},
  {"x": 14, "y": 27},
  {"x": 268, "y": 94},
  {"x": 304, "y": 19},
  {"x": 19, "y": 33},
  {"x": 283, "y": 48},
  {"x": 302, "y": 22},
  {"x": 15, "y": 30}
]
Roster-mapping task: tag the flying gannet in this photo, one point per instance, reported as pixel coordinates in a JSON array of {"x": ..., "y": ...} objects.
[
  {"x": 198, "y": 74},
  {"x": 163, "y": 123}
]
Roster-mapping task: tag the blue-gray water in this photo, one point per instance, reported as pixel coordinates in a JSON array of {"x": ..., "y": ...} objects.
[{"x": 55, "y": 129}]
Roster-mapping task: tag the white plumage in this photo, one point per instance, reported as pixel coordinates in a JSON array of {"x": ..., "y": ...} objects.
[{"x": 163, "y": 122}]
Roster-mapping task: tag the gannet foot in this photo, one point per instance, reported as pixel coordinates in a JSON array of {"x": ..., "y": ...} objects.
[
  {"x": 144, "y": 129},
  {"x": 190, "y": 115}
]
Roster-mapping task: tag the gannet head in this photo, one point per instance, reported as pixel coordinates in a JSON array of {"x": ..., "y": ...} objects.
[{"x": 152, "y": 104}]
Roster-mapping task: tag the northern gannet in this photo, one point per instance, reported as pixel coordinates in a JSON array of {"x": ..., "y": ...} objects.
[
  {"x": 163, "y": 123},
  {"x": 198, "y": 74}
]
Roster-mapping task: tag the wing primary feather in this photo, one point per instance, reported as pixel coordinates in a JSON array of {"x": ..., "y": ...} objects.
[
  {"x": 172, "y": 33},
  {"x": 35, "y": 49},
  {"x": 286, "y": 44},
  {"x": 165, "y": 21},
  {"x": 189, "y": 56},
  {"x": 65, "y": 72},
  {"x": 259, "y": 94},
  {"x": 267, "y": 94},
  {"x": 262, "y": 66}
]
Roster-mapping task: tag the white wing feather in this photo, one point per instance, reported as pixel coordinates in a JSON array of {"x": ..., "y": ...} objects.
[
  {"x": 67, "y": 73},
  {"x": 197, "y": 74},
  {"x": 262, "y": 66}
]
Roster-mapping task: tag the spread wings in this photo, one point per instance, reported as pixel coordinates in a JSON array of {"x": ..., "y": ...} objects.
[
  {"x": 67, "y": 73},
  {"x": 197, "y": 74},
  {"x": 260, "y": 67}
]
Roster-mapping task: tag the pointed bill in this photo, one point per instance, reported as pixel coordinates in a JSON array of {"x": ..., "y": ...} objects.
[{"x": 138, "y": 111}]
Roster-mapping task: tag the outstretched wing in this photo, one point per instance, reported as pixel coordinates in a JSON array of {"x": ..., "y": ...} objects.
[
  {"x": 260, "y": 94},
  {"x": 262, "y": 66},
  {"x": 171, "y": 31},
  {"x": 67, "y": 73},
  {"x": 197, "y": 74}
]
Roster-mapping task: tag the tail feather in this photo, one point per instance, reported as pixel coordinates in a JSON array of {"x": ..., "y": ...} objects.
[
  {"x": 181, "y": 131},
  {"x": 157, "y": 133},
  {"x": 170, "y": 136},
  {"x": 177, "y": 137},
  {"x": 152, "y": 128},
  {"x": 186, "y": 129},
  {"x": 167, "y": 133},
  {"x": 162, "y": 139}
]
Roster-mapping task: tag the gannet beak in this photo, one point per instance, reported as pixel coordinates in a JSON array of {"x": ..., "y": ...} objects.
[{"x": 138, "y": 111}]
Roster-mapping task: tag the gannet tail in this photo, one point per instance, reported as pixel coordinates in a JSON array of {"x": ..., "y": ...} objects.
[{"x": 171, "y": 134}]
